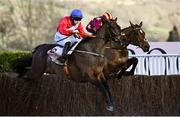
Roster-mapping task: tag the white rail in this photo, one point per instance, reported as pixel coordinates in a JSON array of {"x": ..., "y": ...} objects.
[{"x": 157, "y": 64}]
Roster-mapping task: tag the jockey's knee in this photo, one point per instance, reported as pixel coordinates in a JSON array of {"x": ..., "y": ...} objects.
[{"x": 67, "y": 44}]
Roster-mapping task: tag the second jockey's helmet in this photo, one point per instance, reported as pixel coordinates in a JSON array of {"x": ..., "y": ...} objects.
[
  {"x": 76, "y": 13},
  {"x": 107, "y": 15}
]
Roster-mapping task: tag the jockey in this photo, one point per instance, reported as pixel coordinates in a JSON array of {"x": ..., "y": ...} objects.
[
  {"x": 96, "y": 23},
  {"x": 70, "y": 30}
]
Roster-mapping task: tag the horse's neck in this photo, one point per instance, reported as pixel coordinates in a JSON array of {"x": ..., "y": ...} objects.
[
  {"x": 97, "y": 44},
  {"x": 115, "y": 45}
]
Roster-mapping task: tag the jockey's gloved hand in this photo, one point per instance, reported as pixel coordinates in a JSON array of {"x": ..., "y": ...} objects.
[
  {"x": 76, "y": 34},
  {"x": 75, "y": 31}
]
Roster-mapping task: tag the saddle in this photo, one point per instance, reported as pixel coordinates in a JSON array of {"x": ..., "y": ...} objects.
[{"x": 55, "y": 54}]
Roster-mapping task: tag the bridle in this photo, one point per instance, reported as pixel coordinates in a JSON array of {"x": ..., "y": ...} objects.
[
  {"x": 116, "y": 38},
  {"x": 138, "y": 41},
  {"x": 122, "y": 43},
  {"x": 130, "y": 32}
]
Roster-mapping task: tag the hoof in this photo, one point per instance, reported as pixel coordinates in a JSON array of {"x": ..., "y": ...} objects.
[{"x": 110, "y": 108}]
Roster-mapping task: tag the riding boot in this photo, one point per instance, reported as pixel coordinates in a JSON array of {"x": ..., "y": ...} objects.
[{"x": 65, "y": 50}]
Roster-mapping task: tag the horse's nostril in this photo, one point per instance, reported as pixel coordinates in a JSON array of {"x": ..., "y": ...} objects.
[{"x": 147, "y": 48}]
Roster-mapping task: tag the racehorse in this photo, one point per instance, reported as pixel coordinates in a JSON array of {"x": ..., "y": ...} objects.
[
  {"x": 86, "y": 65},
  {"x": 117, "y": 53}
]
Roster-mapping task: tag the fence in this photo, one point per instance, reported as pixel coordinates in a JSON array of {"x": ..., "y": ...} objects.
[{"x": 158, "y": 64}]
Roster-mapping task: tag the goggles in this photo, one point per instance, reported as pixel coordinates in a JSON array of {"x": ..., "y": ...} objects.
[{"x": 77, "y": 18}]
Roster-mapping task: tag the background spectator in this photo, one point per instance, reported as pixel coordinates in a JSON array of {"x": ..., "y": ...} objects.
[{"x": 174, "y": 35}]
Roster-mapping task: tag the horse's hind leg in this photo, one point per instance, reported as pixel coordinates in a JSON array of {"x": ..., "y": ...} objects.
[
  {"x": 104, "y": 88},
  {"x": 38, "y": 67}
]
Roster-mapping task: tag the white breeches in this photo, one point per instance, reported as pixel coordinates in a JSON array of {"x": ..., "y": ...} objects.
[{"x": 62, "y": 39}]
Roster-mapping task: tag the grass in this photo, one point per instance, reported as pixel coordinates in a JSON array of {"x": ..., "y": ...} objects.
[{"x": 158, "y": 30}]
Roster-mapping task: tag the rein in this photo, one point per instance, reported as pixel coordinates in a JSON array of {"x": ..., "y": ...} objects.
[
  {"x": 113, "y": 37},
  {"x": 124, "y": 44},
  {"x": 96, "y": 54},
  {"x": 114, "y": 48},
  {"x": 90, "y": 53}
]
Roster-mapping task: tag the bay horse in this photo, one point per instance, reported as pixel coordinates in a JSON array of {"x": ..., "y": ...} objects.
[
  {"x": 82, "y": 67},
  {"x": 117, "y": 53}
]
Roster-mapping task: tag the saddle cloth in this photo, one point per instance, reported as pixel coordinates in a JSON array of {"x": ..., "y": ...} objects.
[{"x": 57, "y": 51}]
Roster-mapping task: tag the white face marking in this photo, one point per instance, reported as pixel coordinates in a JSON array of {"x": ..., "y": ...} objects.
[
  {"x": 141, "y": 31},
  {"x": 123, "y": 34}
]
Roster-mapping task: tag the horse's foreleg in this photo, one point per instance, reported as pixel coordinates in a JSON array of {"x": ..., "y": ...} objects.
[
  {"x": 104, "y": 81},
  {"x": 109, "y": 92},
  {"x": 132, "y": 61},
  {"x": 104, "y": 89}
]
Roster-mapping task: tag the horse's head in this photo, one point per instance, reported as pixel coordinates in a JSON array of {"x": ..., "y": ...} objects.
[
  {"x": 136, "y": 36},
  {"x": 113, "y": 30}
]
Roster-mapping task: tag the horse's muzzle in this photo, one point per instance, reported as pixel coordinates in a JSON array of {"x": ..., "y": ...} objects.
[{"x": 146, "y": 48}]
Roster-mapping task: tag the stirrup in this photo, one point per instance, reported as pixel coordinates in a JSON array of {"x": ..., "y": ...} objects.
[{"x": 62, "y": 59}]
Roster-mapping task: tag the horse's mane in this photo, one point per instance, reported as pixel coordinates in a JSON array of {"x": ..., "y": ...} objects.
[
  {"x": 97, "y": 34},
  {"x": 85, "y": 40},
  {"x": 125, "y": 28}
]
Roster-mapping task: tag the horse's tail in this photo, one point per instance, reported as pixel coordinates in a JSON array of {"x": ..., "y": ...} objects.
[
  {"x": 37, "y": 47},
  {"x": 39, "y": 61},
  {"x": 22, "y": 65}
]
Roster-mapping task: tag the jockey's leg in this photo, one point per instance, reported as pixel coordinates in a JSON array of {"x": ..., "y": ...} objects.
[
  {"x": 66, "y": 49},
  {"x": 61, "y": 53}
]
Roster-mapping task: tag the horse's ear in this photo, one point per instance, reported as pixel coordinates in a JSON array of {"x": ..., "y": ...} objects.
[
  {"x": 115, "y": 19},
  {"x": 131, "y": 24},
  {"x": 141, "y": 23},
  {"x": 104, "y": 20}
]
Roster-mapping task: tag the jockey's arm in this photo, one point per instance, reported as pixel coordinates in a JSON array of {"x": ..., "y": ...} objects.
[
  {"x": 63, "y": 28},
  {"x": 83, "y": 33}
]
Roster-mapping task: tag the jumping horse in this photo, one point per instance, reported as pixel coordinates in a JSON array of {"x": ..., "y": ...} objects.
[
  {"x": 117, "y": 52},
  {"x": 84, "y": 65}
]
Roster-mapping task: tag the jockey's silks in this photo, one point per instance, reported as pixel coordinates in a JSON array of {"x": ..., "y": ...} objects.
[
  {"x": 94, "y": 25},
  {"x": 66, "y": 23}
]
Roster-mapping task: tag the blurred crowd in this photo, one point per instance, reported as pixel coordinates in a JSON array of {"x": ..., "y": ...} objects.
[{"x": 174, "y": 35}]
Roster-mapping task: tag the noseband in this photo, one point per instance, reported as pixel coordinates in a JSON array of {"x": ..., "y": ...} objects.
[{"x": 115, "y": 38}]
